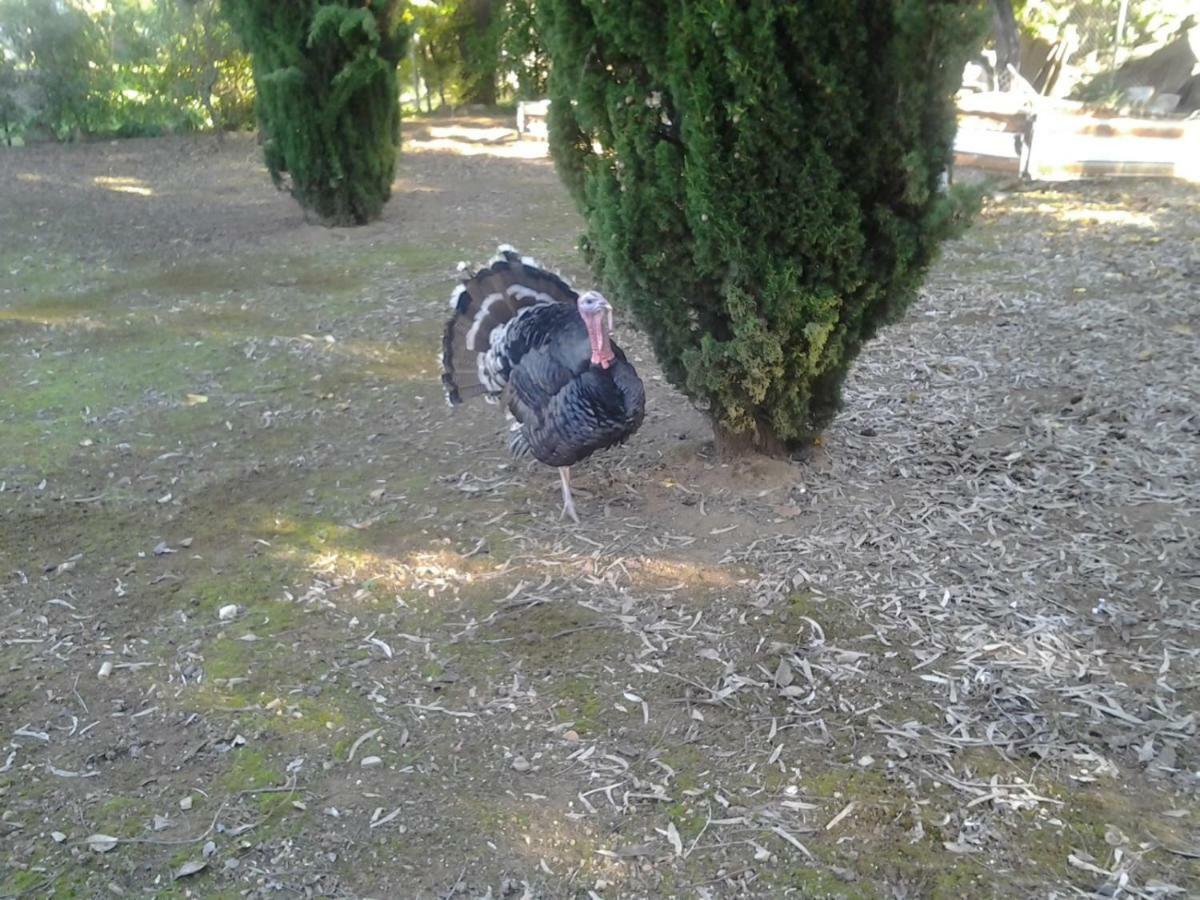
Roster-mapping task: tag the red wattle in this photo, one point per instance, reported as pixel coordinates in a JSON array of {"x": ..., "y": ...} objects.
[{"x": 602, "y": 354}]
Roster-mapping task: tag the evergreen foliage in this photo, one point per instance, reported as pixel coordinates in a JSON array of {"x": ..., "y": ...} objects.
[
  {"x": 328, "y": 101},
  {"x": 485, "y": 52},
  {"x": 522, "y": 58},
  {"x": 56, "y": 87},
  {"x": 475, "y": 22},
  {"x": 74, "y": 69},
  {"x": 760, "y": 182}
]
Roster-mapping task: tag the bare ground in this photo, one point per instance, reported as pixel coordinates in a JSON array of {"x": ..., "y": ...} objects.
[{"x": 952, "y": 653}]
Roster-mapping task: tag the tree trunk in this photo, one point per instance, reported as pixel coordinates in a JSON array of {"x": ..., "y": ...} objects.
[
  {"x": 416, "y": 70},
  {"x": 733, "y": 445},
  {"x": 434, "y": 81},
  {"x": 213, "y": 110},
  {"x": 1008, "y": 43},
  {"x": 481, "y": 87}
]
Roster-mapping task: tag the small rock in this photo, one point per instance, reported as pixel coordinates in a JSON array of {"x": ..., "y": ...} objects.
[
  {"x": 185, "y": 803},
  {"x": 1165, "y": 762},
  {"x": 521, "y": 764},
  {"x": 847, "y": 875},
  {"x": 101, "y": 843},
  {"x": 209, "y": 849},
  {"x": 58, "y": 836},
  {"x": 865, "y": 761},
  {"x": 227, "y": 612},
  {"x": 191, "y": 867},
  {"x": 369, "y": 762},
  {"x": 186, "y": 542},
  {"x": 105, "y": 669},
  {"x": 572, "y": 735}
]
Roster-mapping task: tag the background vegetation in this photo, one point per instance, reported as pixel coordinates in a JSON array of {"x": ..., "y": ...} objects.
[
  {"x": 75, "y": 69},
  {"x": 72, "y": 69}
]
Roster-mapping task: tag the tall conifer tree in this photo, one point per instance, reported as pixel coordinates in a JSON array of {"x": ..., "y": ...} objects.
[
  {"x": 328, "y": 102},
  {"x": 760, "y": 182}
]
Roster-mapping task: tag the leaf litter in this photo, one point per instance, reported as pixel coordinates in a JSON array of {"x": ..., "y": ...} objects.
[{"x": 972, "y": 606}]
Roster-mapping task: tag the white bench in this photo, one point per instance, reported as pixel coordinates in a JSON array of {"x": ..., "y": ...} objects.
[{"x": 531, "y": 118}]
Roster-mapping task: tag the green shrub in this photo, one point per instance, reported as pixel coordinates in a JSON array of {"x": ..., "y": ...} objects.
[
  {"x": 328, "y": 102},
  {"x": 760, "y": 182}
]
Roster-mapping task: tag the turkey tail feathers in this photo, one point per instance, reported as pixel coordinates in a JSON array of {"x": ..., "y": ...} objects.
[
  {"x": 473, "y": 356},
  {"x": 518, "y": 441}
]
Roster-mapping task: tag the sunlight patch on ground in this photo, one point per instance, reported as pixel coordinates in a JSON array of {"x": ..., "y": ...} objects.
[
  {"x": 675, "y": 572},
  {"x": 408, "y": 186},
  {"x": 521, "y": 150},
  {"x": 1092, "y": 216},
  {"x": 123, "y": 185},
  {"x": 54, "y": 320},
  {"x": 395, "y": 360},
  {"x": 431, "y": 571},
  {"x": 557, "y": 842},
  {"x": 469, "y": 133},
  {"x": 468, "y": 140}
]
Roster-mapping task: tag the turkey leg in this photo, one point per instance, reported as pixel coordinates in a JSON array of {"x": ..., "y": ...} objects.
[{"x": 564, "y": 472}]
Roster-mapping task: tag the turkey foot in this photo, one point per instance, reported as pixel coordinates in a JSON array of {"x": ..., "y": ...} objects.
[{"x": 564, "y": 472}]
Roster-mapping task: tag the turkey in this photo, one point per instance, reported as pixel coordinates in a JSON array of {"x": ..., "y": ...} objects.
[{"x": 522, "y": 335}]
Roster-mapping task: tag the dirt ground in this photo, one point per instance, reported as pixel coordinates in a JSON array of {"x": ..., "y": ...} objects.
[{"x": 274, "y": 621}]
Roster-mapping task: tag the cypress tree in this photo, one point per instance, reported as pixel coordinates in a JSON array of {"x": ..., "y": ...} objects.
[
  {"x": 328, "y": 103},
  {"x": 760, "y": 183}
]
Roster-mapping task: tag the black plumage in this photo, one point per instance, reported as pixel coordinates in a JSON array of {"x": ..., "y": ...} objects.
[{"x": 520, "y": 335}]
